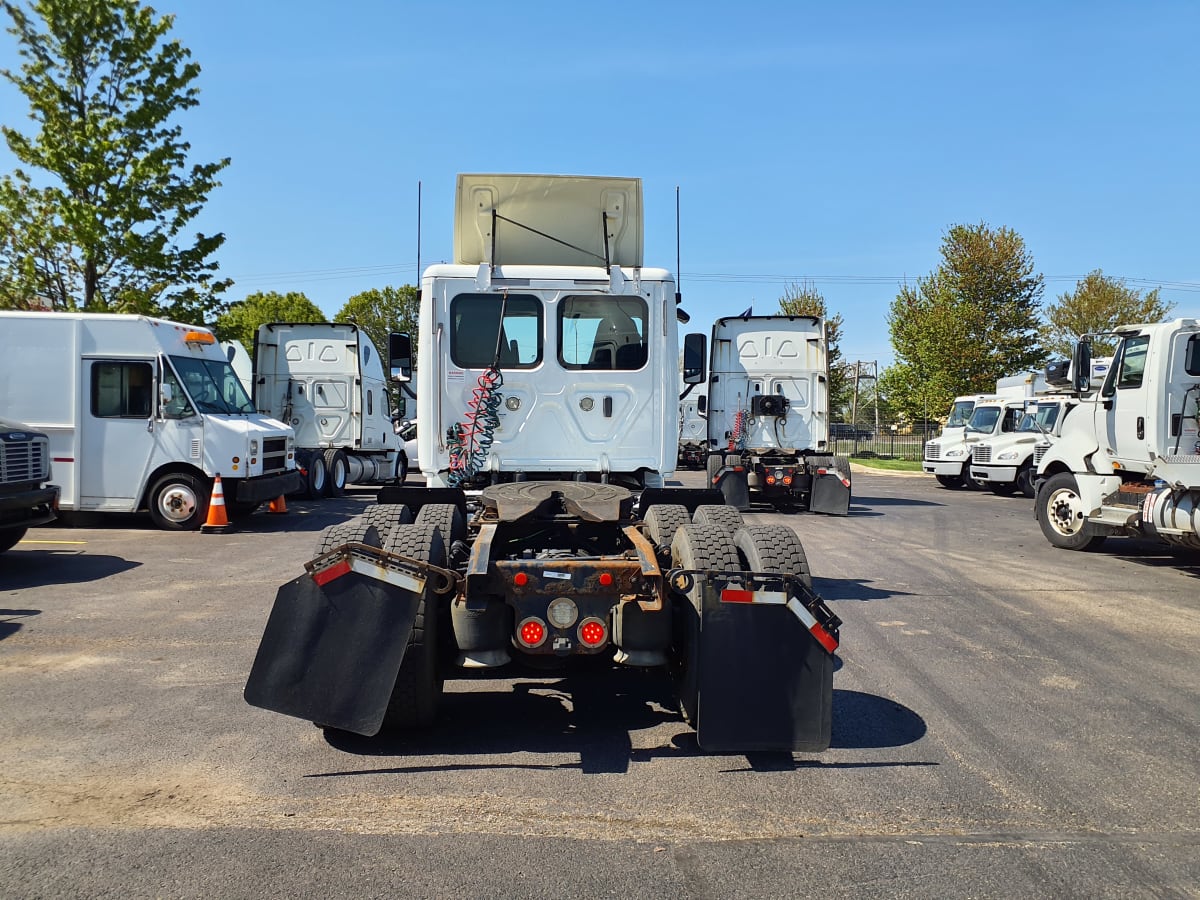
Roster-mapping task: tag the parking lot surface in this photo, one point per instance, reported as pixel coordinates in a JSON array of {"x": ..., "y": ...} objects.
[{"x": 1009, "y": 720}]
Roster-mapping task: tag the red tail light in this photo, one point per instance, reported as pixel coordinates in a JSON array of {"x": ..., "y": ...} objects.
[
  {"x": 532, "y": 632},
  {"x": 770, "y": 479},
  {"x": 605, "y": 579},
  {"x": 520, "y": 579},
  {"x": 592, "y": 632}
]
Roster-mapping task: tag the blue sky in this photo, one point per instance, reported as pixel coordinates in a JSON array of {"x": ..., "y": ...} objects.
[{"x": 829, "y": 143}]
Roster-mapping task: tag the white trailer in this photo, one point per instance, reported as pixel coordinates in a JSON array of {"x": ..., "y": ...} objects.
[
  {"x": 327, "y": 381},
  {"x": 141, "y": 413},
  {"x": 768, "y": 415},
  {"x": 548, "y": 405},
  {"x": 1128, "y": 460}
]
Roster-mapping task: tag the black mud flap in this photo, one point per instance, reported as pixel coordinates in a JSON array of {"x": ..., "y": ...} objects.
[
  {"x": 830, "y": 492},
  {"x": 333, "y": 646},
  {"x": 765, "y": 671},
  {"x": 734, "y": 486}
]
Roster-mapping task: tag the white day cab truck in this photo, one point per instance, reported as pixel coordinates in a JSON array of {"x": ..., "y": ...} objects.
[
  {"x": 1007, "y": 463},
  {"x": 948, "y": 457},
  {"x": 327, "y": 381},
  {"x": 27, "y": 498},
  {"x": 1128, "y": 459},
  {"x": 141, "y": 413},
  {"x": 768, "y": 415},
  {"x": 545, "y": 536}
]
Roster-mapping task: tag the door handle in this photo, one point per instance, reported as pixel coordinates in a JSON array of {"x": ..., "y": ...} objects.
[{"x": 1141, "y": 427}]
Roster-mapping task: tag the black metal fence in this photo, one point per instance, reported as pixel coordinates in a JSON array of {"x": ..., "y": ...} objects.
[{"x": 902, "y": 440}]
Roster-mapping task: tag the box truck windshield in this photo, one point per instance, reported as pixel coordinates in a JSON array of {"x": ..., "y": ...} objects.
[{"x": 212, "y": 385}]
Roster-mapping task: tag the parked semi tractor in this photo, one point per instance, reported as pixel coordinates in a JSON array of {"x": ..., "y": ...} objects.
[
  {"x": 1128, "y": 459},
  {"x": 545, "y": 535},
  {"x": 141, "y": 413},
  {"x": 26, "y": 496},
  {"x": 768, "y": 415},
  {"x": 327, "y": 381}
]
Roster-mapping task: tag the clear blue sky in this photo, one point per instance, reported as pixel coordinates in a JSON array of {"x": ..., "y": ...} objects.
[{"x": 832, "y": 143}]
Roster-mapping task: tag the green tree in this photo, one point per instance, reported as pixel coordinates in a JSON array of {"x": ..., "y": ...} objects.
[
  {"x": 1098, "y": 304},
  {"x": 380, "y": 311},
  {"x": 99, "y": 223},
  {"x": 240, "y": 322},
  {"x": 805, "y": 300},
  {"x": 972, "y": 320}
]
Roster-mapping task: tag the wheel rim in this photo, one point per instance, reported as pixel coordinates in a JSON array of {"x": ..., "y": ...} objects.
[
  {"x": 338, "y": 473},
  {"x": 1064, "y": 512},
  {"x": 177, "y": 503}
]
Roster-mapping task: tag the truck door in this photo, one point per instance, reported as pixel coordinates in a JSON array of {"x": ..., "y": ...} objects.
[
  {"x": 1124, "y": 402},
  {"x": 117, "y": 432}
]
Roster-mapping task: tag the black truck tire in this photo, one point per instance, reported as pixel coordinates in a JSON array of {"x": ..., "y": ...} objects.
[
  {"x": 10, "y": 536},
  {"x": 418, "y": 690},
  {"x": 695, "y": 547},
  {"x": 316, "y": 474},
  {"x": 1025, "y": 476},
  {"x": 338, "y": 468},
  {"x": 772, "y": 550},
  {"x": 1060, "y": 513},
  {"x": 386, "y": 516},
  {"x": 949, "y": 481},
  {"x": 179, "y": 502},
  {"x": 663, "y": 520},
  {"x": 725, "y": 517},
  {"x": 446, "y": 516},
  {"x": 356, "y": 531}
]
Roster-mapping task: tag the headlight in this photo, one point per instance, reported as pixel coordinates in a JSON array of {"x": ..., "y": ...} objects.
[
  {"x": 1008, "y": 454},
  {"x": 951, "y": 454},
  {"x": 254, "y": 446},
  {"x": 291, "y": 444}
]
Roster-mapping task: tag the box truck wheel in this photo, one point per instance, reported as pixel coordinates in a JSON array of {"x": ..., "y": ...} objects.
[
  {"x": 773, "y": 550},
  {"x": 1061, "y": 514},
  {"x": 335, "y": 463},
  {"x": 179, "y": 502},
  {"x": 695, "y": 547},
  {"x": 9, "y": 537},
  {"x": 663, "y": 520},
  {"x": 1025, "y": 476},
  {"x": 418, "y": 689}
]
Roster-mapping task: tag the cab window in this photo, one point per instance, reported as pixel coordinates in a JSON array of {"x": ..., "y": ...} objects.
[
  {"x": 475, "y": 327},
  {"x": 602, "y": 332},
  {"x": 1133, "y": 362},
  {"x": 122, "y": 390}
]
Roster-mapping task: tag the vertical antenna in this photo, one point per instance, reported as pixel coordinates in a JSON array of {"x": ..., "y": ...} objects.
[
  {"x": 678, "y": 286},
  {"x": 418, "y": 238}
]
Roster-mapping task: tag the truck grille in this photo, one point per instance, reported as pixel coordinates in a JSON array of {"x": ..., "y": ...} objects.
[
  {"x": 982, "y": 453},
  {"x": 274, "y": 455},
  {"x": 22, "y": 461},
  {"x": 1038, "y": 453},
  {"x": 933, "y": 450}
]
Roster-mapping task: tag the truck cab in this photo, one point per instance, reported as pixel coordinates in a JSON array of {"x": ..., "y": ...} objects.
[
  {"x": 1007, "y": 462},
  {"x": 26, "y": 497}
]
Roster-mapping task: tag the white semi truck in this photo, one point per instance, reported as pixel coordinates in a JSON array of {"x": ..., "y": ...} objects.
[
  {"x": 693, "y": 426},
  {"x": 768, "y": 415},
  {"x": 545, "y": 534},
  {"x": 327, "y": 381},
  {"x": 1128, "y": 459},
  {"x": 141, "y": 413}
]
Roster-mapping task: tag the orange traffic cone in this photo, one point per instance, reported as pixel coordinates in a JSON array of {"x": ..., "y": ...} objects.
[
  {"x": 217, "y": 521},
  {"x": 278, "y": 506}
]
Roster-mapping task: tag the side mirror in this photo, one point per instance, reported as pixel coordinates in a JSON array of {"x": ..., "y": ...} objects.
[
  {"x": 695, "y": 356},
  {"x": 400, "y": 357},
  {"x": 166, "y": 393},
  {"x": 1081, "y": 366}
]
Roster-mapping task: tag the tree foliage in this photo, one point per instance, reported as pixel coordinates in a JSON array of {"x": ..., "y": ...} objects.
[
  {"x": 1098, "y": 304},
  {"x": 380, "y": 311},
  {"x": 805, "y": 300},
  {"x": 240, "y": 322},
  {"x": 972, "y": 320},
  {"x": 96, "y": 221}
]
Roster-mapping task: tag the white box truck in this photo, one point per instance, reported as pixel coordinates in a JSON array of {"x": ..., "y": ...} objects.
[
  {"x": 327, "y": 381},
  {"x": 141, "y": 413}
]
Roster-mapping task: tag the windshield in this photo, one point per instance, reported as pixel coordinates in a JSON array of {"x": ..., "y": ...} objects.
[
  {"x": 960, "y": 413},
  {"x": 984, "y": 419},
  {"x": 212, "y": 385},
  {"x": 1046, "y": 416}
]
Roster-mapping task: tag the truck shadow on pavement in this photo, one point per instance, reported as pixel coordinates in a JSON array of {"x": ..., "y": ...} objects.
[
  {"x": 594, "y": 715},
  {"x": 8, "y": 624},
  {"x": 833, "y": 589},
  {"x": 36, "y": 568}
]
